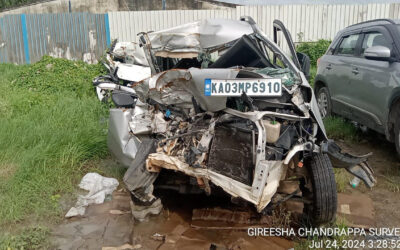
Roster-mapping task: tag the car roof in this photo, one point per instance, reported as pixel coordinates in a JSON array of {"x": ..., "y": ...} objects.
[
  {"x": 368, "y": 23},
  {"x": 365, "y": 24}
]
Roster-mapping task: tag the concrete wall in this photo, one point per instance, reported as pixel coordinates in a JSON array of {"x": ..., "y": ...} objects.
[
  {"x": 143, "y": 5},
  {"x": 103, "y": 6},
  {"x": 62, "y": 6}
]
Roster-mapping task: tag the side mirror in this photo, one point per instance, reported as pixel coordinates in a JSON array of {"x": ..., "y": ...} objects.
[
  {"x": 305, "y": 64},
  {"x": 379, "y": 53}
]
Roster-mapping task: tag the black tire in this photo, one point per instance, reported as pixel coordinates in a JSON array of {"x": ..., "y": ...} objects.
[
  {"x": 324, "y": 102},
  {"x": 324, "y": 196}
]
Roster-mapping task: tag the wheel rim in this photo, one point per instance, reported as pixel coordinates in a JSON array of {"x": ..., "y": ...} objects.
[{"x": 323, "y": 104}]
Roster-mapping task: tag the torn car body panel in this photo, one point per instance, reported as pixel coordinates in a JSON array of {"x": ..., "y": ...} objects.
[
  {"x": 120, "y": 142},
  {"x": 189, "y": 40},
  {"x": 356, "y": 165},
  {"x": 178, "y": 86},
  {"x": 222, "y": 141}
]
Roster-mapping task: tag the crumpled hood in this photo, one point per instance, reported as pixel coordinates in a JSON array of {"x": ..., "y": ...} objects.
[{"x": 188, "y": 40}]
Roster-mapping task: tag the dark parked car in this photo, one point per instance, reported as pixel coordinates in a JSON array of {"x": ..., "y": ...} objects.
[{"x": 359, "y": 77}]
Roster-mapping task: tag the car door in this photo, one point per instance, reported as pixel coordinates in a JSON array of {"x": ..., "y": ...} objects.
[
  {"x": 338, "y": 72},
  {"x": 301, "y": 60},
  {"x": 369, "y": 84}
]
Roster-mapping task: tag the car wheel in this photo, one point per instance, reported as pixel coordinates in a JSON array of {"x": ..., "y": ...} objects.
[
  {"x": 320, "y": 190},
  {"x": 324, "y": 102}
]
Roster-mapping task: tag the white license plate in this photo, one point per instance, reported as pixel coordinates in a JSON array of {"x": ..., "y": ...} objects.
[{"x": 235, "y": 87}]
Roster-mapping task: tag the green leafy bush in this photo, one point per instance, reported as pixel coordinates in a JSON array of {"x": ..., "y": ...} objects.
[
  {"x": 314, "y": 49},
  {"x": 55, "y": 75}
]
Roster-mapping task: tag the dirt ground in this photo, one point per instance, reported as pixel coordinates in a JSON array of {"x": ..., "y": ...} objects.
[
  {"x": 111, "y": 224},
  {"x": 385, "y": 195},
  {"x": 98, "y": 227}
]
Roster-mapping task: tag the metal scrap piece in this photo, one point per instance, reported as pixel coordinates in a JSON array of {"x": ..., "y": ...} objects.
[
  {"x": 138, "y": 180},
  {"x": 159, "y": 125},
  {"x": 141, "y": 119},
  {"x": 140, "y": 212},
  {"x": 298, "y": 100},
  {"x": 356, "y": 165},
  {"x": 120, "y": 142}
]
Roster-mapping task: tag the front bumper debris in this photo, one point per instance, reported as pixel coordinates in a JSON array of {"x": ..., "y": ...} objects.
[{"x": 356, "y": 165}]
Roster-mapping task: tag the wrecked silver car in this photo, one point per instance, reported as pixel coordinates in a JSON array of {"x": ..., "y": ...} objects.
[{"x": 218, "y": 103}]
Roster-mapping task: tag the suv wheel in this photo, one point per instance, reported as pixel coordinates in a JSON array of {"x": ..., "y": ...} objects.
[
  {"x": 324, "y": 102},
  {"x": 320, "y": 189}
]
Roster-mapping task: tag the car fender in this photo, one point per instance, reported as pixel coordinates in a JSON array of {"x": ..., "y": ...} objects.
[{"x": 319, "y": 81}]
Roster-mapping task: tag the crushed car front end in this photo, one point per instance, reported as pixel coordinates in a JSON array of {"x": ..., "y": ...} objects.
[{"x": 184, "y": 117}]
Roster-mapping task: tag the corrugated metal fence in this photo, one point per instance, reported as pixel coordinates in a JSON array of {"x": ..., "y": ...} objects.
[
  {"x": 84, "y": 36},
  {"x": 11, "y": 40},
  {"x": 26, "y": 38},
  {"x": 319, "y": 21},
  {"x": 305, "y": 22},
  {"x": 126, "y": 25}
]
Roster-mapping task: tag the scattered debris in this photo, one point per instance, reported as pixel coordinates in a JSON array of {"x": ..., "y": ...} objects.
[
  {"x": 118, "y": 212},
  {"x": 174, "y": 236},
  {"x": 140, "y": 212},
  {"x": 158, "y": 237},
  {"x": 98, "y": 186},
  {"x": 123, "y": 247}
]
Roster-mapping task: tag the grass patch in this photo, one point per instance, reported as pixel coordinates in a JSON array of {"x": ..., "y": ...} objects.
[
  {"x": 29, "y": 238},
  {"x": 52, "y": 125},
  {"x": 339, "y": 128},
  {"x": 313, "y": 72},
  {"x": 390, "y": 183},
  {"x": 342, "y": 178}
]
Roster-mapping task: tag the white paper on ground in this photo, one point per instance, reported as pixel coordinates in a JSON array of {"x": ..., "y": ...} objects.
[{"x": 98, "y": 186}]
